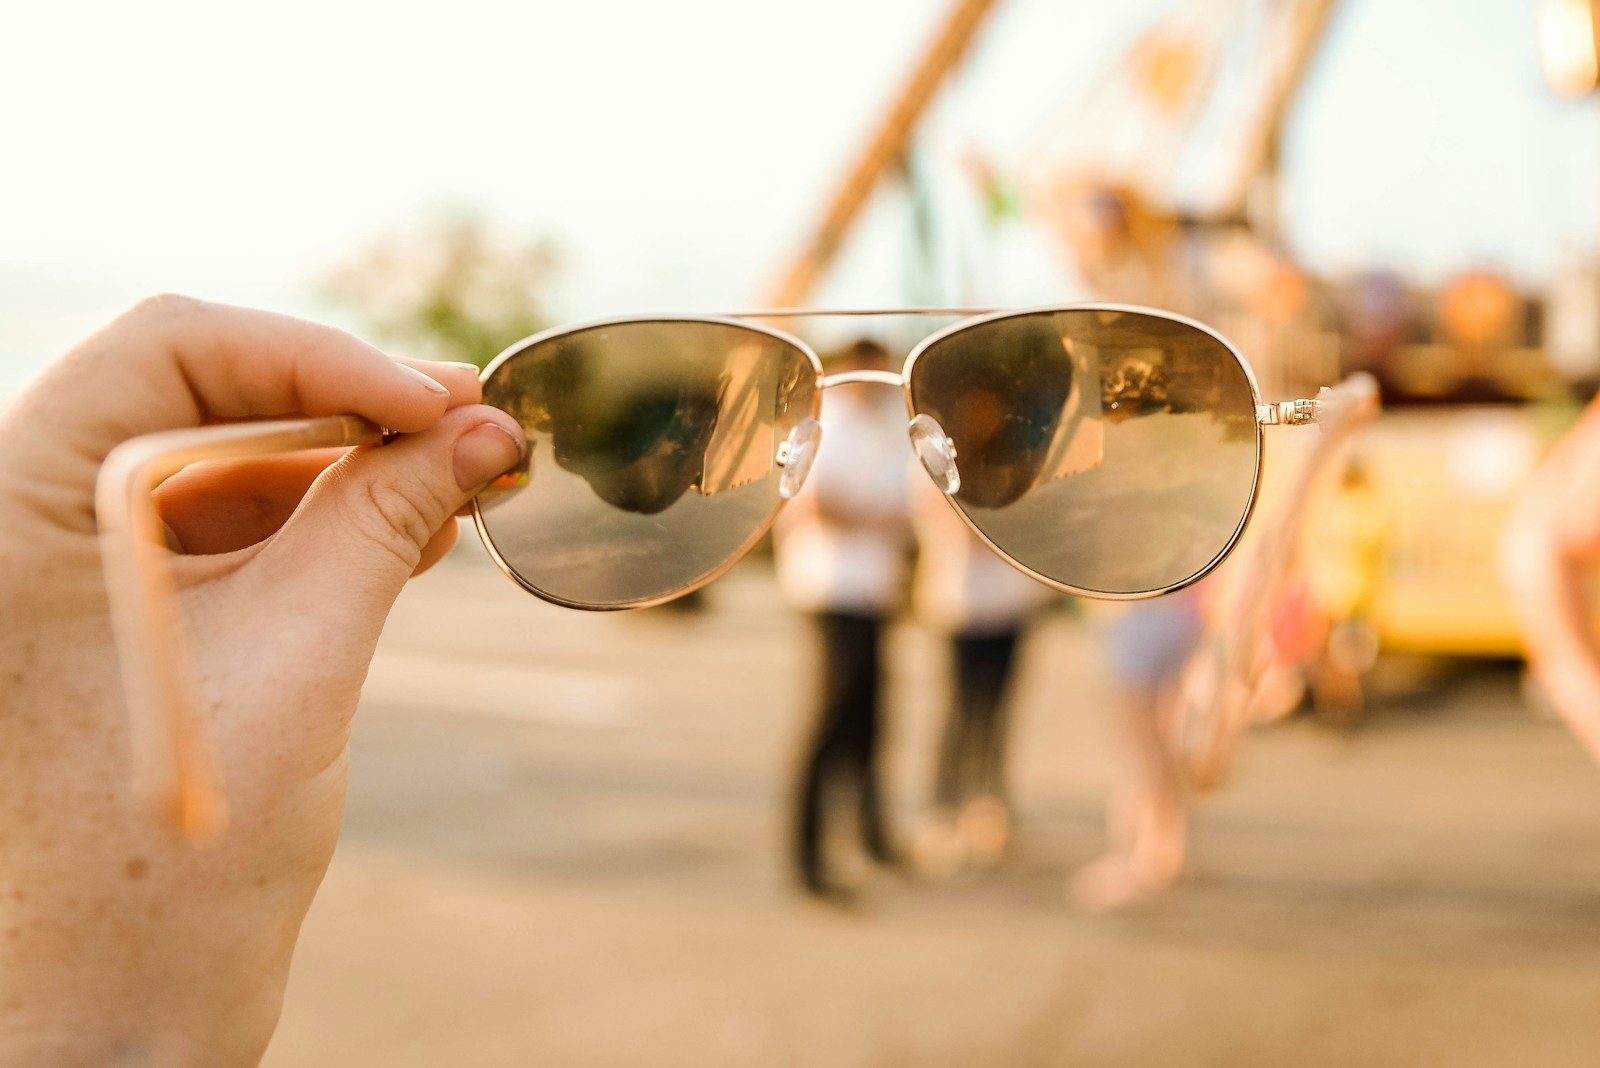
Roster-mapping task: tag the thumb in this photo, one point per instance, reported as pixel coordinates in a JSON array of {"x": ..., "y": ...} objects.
[{"x": 361, "y": 530}]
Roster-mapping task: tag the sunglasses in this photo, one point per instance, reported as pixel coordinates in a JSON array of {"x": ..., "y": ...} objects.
[{"x": 1106, "y": 450}]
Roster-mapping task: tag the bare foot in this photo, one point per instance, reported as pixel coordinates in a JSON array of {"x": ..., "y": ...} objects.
[
  {"x": 1140, "y": 873},
  {"x": 985, "y": 829},
  {"x": 938, "y": 851},
  {"x": 1116, "y": 881}
]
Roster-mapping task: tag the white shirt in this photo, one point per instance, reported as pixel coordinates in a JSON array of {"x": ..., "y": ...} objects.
[{"x": 841, "y": 544}]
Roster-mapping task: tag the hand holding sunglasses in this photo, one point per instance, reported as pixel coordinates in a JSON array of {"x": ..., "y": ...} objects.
[
  {"x": 119, "y": 942},
  {"x": 1106, "y": 450}
]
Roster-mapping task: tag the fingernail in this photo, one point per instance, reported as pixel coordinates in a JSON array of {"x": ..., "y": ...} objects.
[
  {"x": 433, "y": 387},
  {"x": 474, "y": 368},
  {"x": 484, "y": 452}
]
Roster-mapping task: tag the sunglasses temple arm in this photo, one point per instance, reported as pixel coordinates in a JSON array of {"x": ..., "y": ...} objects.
[
  {"x": 1340, "y": 413},
  {"x": 173, "y": 772},
  {"x": 1350, "y": 405}
]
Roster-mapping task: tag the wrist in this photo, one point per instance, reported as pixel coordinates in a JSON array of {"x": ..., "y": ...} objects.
[
  {"x": 46, "y": 1048},
  {"x": 136, "y": 1013},
  {"x": 176, "y": 958}
]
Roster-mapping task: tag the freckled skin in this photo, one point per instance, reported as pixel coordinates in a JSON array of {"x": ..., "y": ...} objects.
[{"x": 124, "y": 943}]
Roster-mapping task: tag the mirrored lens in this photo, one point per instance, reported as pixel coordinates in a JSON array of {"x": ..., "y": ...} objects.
[
  {"x": 653, "y": 460},
  {"x": 1112, "y": 451}
]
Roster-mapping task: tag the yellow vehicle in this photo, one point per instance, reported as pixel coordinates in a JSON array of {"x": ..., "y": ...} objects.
[
  {"x": 1443, "y": 480},
  {"x": 1460, "y": 434}
]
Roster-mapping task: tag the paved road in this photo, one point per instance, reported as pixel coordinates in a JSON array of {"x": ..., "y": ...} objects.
[{"x": 562, "y": 849}]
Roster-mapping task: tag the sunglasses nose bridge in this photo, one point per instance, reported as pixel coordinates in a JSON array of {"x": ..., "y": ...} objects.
[{"x": 879, "y": 378}]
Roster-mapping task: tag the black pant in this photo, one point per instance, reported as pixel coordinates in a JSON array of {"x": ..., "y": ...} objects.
[
  {"x": 972, "y": 754},
  {"x": 841, "y": 756}
]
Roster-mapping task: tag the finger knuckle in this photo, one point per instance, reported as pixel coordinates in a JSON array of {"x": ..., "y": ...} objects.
[
  {"x": 165, "y": 306},
  {"x": 401, "y": 518}
]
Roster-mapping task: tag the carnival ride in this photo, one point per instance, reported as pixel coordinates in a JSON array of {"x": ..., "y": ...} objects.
[
  {"x": 1160, "y": 186},
  {"x": 1382, "y": 535}
]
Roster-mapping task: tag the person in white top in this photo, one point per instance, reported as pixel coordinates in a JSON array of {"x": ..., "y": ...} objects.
[
  {"x": 982, "y": 605},
  {"x": 841, "y": 552}
]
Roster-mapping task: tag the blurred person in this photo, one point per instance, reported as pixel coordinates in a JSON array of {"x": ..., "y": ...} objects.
[
  {"x": 1548, "y": 556},
  {"x": 982, "y": 606},
  {"x": 1007, "y": 419},
  {"x": 841, "y": 552},
  {"x": 1146, "y": 818},
  {"x": 121, "y": 943},
  {"x": 1127, "y": 250}
]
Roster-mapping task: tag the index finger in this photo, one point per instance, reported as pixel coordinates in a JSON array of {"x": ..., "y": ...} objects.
[{"x": 173, "y": 362}]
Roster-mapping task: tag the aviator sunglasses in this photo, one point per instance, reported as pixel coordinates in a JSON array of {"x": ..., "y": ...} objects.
[{"x": 1106, "y": 450}]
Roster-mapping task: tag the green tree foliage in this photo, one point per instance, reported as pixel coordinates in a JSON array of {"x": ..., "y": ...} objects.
[{"x": 447, "y": 289}]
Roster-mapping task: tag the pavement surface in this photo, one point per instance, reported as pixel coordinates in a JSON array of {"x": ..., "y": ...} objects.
[{"x": 564, "y": 847}]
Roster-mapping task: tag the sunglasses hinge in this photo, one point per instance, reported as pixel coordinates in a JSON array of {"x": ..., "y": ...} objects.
[{"x": 1287, "y": 413}]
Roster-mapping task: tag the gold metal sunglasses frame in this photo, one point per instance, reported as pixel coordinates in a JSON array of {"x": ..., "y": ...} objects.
[{"x": 172, "y": 768}]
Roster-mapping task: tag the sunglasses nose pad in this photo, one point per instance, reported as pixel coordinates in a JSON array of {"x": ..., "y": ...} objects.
[
  {"x": 937, "y": 453},
  {"x": 795, "y": 456}
]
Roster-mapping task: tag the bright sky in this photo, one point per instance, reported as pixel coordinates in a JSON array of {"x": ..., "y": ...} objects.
[{"x": 676, "y": 151}]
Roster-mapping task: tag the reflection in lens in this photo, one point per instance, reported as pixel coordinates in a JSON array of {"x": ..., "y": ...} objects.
[
  {"x": 652, "y": 455},
  {"x": 1111, "y": 451}
]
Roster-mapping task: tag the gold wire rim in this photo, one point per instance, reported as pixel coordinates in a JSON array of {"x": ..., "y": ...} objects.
[{"x": 975, "y": 317}]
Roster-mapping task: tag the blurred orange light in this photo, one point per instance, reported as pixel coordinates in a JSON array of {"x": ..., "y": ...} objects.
[
  {"x": 1569, "y": 45},
  {"x": 1167, "y": 69},
  {"x": 1478, "y": 308},
  {"x": 1283, "y": 293}
]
